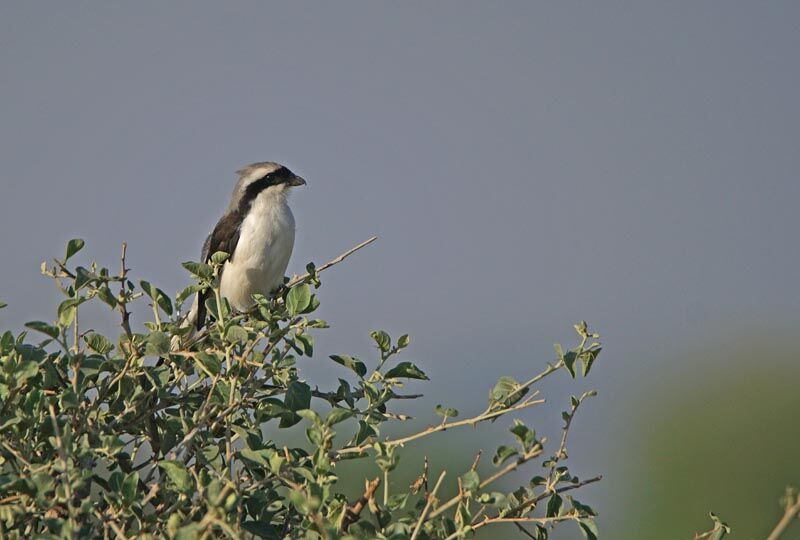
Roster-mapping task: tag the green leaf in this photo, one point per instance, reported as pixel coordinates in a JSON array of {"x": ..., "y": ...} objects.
[
  {"x": 525, "y": 435},
  {"x": 176, "y": 471},
  {"x": 337, "y": 415},
  {"x": 589, "y": 528},
  {"x": 507, "y": 392},
  {"x": 210, "y": 364},
  {"x": 187, "y": 292},
  {"x": 554, "y": 505},
  {"x": 2, "y": 305},
  {"x": 236, "y": 334},
  {"x": 582, "y": 508},
  {"x": 129, "y": 487},
  {"x": 495, "y": 498},
  {"x": 502, "y": 454},
  {"x": 350, "y": 362},
  {"x": 312, "y": 305},
  {"x": 73, "y": 247},
  {"x": 7, "y": 343},
  {"x": 403, "y": 341},
  {"x": 569, "y": 362},
  {"x": 365, "y": 431},
  {"x": 470, "y": 481},
  {"x": 164, "y": 302},
  {"x": 446, "y": 412},
  {"x": 316, "y": 438},
  {"x": 382, "y": 340},
  {"x": 188, "y": 532},
  {"x": 310, "y": 415},
  {"x": 157, "y": 344},
  {"x": 538, "y": 481},
  {"x": 298, "y": 397},
  {"x": 43, "y": 327},
  {"x": 98, "y": 343},
  {"x": 260, "y": 457},
  {"x": 587, "y": 359},
  {"x": 67, "y": 308},
  {"x": 298, "y": 299},
  {"x": 344, "y": 392},
  {"x": 149, "y": 289},
  {"x": 25, "y": 371},
  {"x": 201, "y": 270},
  {"x": 106, "y": 296},
  {"x": 262, "y": 529},
  {"x": 386, "y": 457},
  {"x": 219, "y": 257},
  {"x": 83, "y": 276},
  {"x": 307, "y": 342},
  {"x": 406, "y": 370}
]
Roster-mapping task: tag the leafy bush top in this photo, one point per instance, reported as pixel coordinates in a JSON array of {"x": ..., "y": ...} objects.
[{"x": 161, "y": 433}]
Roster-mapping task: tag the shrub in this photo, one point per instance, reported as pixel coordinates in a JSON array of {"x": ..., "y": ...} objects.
[{"x": 130, "y": 437}]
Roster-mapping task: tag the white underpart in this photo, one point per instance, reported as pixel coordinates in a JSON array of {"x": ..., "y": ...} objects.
[{"x": 265, "y": 244}]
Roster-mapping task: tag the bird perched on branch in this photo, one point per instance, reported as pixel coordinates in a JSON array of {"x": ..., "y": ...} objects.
[{"x": 257, "y": 231}]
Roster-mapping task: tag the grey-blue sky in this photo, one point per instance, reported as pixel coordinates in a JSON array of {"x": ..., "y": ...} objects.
[{"x": 526, "y": 165}]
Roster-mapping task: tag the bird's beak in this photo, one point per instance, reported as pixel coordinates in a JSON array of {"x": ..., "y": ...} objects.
[{"x": 297, "y": 181}]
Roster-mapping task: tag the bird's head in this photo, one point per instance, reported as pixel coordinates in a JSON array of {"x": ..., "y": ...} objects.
[{"x": 267, "y": 178}]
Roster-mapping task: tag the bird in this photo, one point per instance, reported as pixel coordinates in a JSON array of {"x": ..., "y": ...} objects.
[{"x": 257, "y": 232}]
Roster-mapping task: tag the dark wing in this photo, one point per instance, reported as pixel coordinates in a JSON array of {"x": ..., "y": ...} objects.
[{"x": 224, "y": 237}]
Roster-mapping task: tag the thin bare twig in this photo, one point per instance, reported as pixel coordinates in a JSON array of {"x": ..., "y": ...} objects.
[
  {"x": 123, "y": 304},
  {"x": 791, "y": 511},
  {"x": 443, "y": 427},
  {"x": 352, "y": 513},
  {"x": 490, "y": 521},
  {"x": 305, "y": 277},
  {"x": 534, "y": 452},
  {"x": 431, "y": 498}
]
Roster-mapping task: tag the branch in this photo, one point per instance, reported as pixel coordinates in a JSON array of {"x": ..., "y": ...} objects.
[
  {"x": 123, "y": 305},
  {"x": 534, "y": 452},
  {"x": 296, "y": 280},
  {"x": 430, "y": 498},
  {"x": 791, "y": 511},
  {"x": 443, "y": 427},
  {"x": 560, "y": 454},
  {"x": 352, "y": 513},
  {"x": 518, "y": 520}
]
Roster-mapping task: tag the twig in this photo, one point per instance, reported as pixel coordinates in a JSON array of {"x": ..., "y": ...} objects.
[
  {"x": 476, "y": 461},
  {"x": 352, "y": 513},
  {"x": 305, "y": 277},
  {"x": 791, "y": 512},
  {"x": 520, "y": 508},
  {"x": 490, "y": 521},
  {"x": 444, "y": 427},
  {"x": 562, "y": 447},
  {"x": 431, "y": 498},
  {"x": 62, "y": 452},
  {"x": 532, "y": 453},
  {"x": 386, "y": 487},
  {"x": 123, "y": 274}
]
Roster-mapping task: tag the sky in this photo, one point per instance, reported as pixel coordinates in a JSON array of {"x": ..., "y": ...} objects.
[{"x": 525, "y": 165}]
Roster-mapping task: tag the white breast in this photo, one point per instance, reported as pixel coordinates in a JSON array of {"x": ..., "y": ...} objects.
[{"x": 265, "y": 244}]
